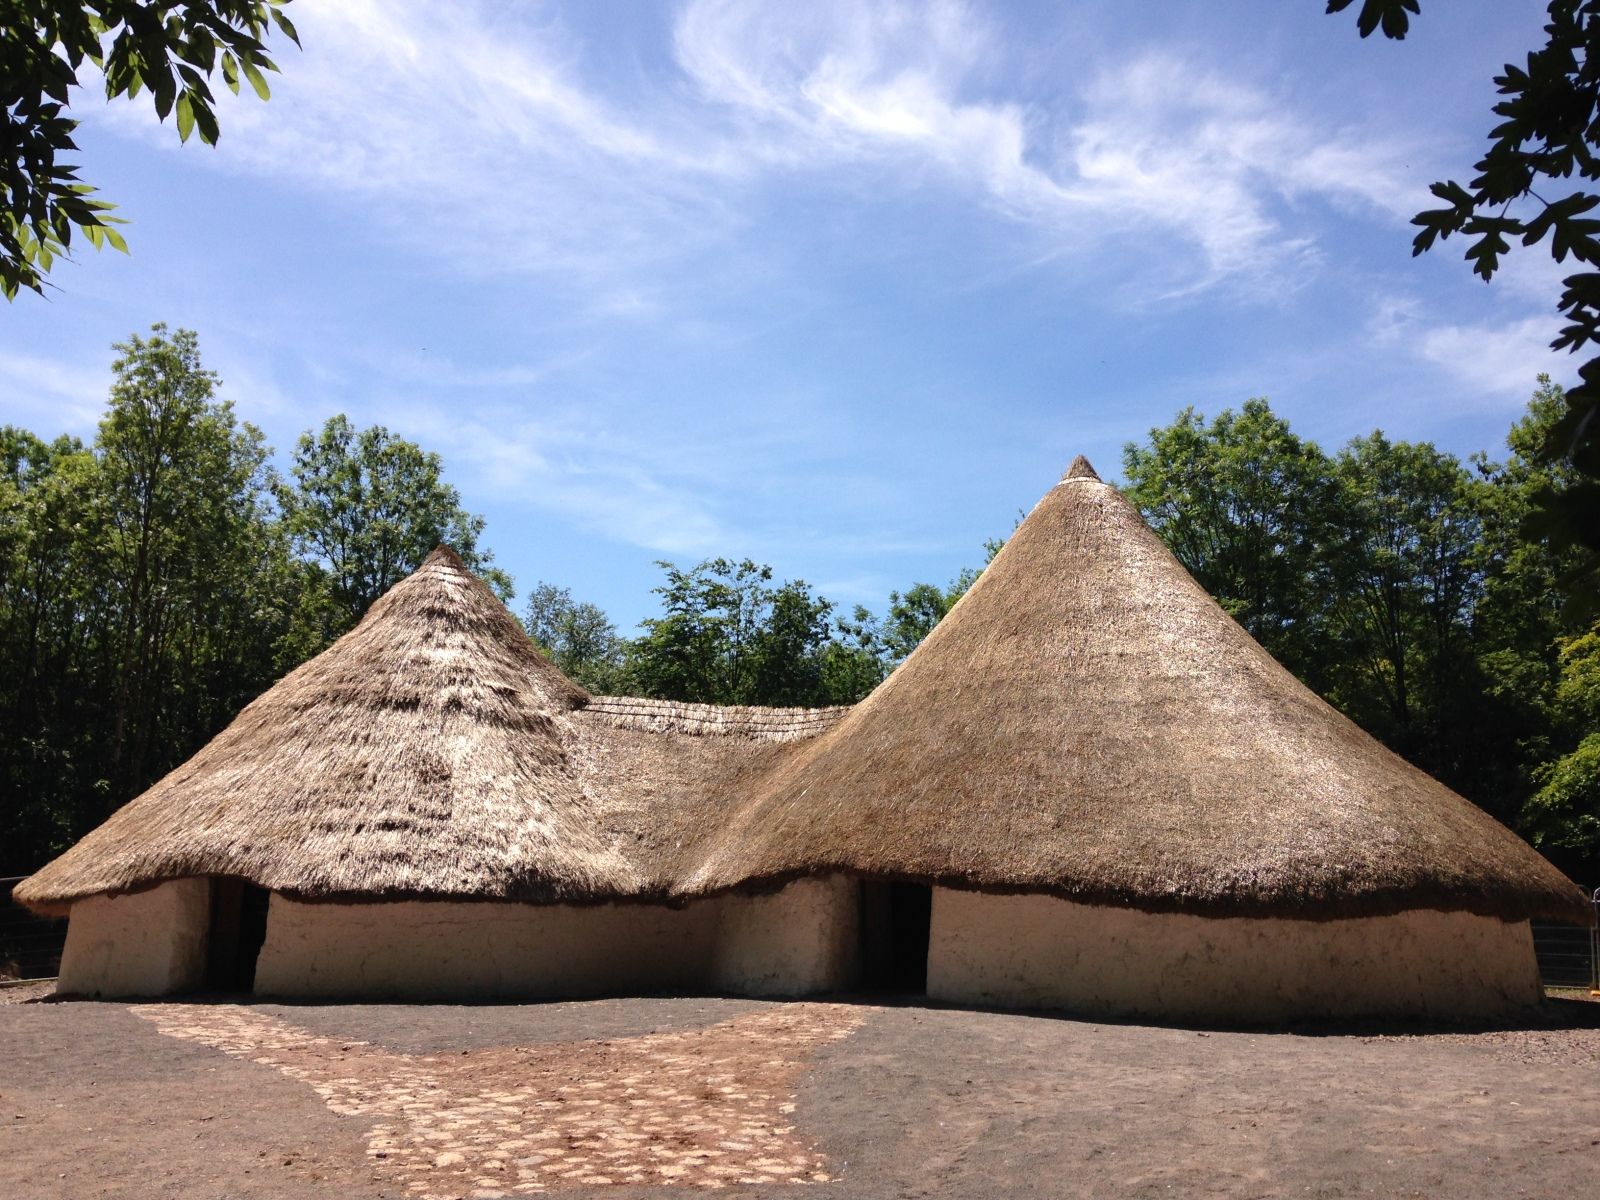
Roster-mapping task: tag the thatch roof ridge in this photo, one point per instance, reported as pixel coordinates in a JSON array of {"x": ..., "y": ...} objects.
[
  {"x": 1088, "y": 722},
  {"x": 712, "y": 720}
]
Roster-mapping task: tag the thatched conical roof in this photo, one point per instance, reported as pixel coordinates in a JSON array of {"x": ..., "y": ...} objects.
[
  {"x": 420, "y": 755},
  {"x": 1088, "y": 722}
]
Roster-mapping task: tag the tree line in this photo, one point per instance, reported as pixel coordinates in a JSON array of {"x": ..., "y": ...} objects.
[{"x": 156, "y": 579}]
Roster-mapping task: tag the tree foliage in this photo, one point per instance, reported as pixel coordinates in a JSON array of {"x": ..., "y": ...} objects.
[
  {"x": 578, "y": 637},
  {"x": 150, "y": 587},
  {"x": 1244, "y": 504},
  {"x": 171, "y": 50},
  {"x": 144, "y": 596},
  {"x": 368, "y": 506},
  {"x": 728, "y": 635},
  {"x": 1401, "y": 557},
  {"x": 914, "y": 612},
  {"x": 1546, "y": 136}
]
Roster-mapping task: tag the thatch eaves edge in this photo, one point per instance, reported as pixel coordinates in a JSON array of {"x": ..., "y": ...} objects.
[{"x": 1574, "y": 909}]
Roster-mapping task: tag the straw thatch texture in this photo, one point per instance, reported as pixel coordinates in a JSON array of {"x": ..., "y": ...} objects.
[
  {"x": 420, "y": 755},
  {"x": 712, "y": 720},
  {"x": 665, "y": 779},
  {"x": 1088, "y": 722}
]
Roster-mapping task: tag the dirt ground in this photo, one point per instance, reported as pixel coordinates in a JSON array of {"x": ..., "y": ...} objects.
[{"x": 655, "y": 1097}]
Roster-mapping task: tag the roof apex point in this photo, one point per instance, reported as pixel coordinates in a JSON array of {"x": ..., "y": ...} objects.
[
  {"x": 1080, "y": 469},
  {"x": 445, "y": 554}
]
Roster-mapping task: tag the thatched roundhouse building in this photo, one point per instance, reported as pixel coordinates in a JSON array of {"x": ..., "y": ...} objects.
[{"x": 1088, "y": 788}]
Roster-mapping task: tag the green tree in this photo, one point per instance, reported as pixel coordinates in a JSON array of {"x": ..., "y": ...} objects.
[
  {"x": 728, "y": 636},
  {"x": 682, "y": 653},
  {"x": 1546, "y": 133},
  {"x": 1521, "y": 606},
  {"x": 51, "y": 610},
  {"x": 855, "y": 659},
  {"x": 785, "y": 666},
  {"x": 914, "y": 612},
  {"x": 170, "y": 50},
  {"x": 1519, "y": 618},
  {"x": 147, "y": 594},
  {"x": 577, "y": 636},
  {"x": 1564, "y": 813},
  {"x": 1405, "y": 578},
  {"x": 149, "y": 589},
  {"x": 184, "y": 488},
  {"x": 1245, "y": 505},
  {"x": 368, "y": 506}
]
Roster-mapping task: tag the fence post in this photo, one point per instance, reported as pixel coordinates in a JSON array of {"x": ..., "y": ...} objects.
[{"x": 1594, "y": 947}]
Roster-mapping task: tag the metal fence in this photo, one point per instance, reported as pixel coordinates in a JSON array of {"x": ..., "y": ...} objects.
[
  {"x": 30, "y": 946},
  {"x": 1569, "y": 955}
]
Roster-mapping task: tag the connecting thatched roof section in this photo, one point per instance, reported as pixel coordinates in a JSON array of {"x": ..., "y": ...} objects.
[
  {"x": 419, "y": 755},
  {"x": 712, "y": 720},
  {"x": 1088, "y": 722},
  {"x": 1085, "y": 722}
]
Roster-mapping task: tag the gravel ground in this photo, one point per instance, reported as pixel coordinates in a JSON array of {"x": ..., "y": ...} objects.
[
  {"x": 653, "y": 1097},
  {"x": 22, "y": 993}
]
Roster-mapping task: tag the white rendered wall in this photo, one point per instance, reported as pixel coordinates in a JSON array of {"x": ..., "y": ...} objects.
[
  {"x": 1041, "y": 952},
  {"x": 782, "y": 944},
  {"x": 447, "y": 949},
  {"x": 797, "y": 942},
  {"x": 141, "y": 944}
]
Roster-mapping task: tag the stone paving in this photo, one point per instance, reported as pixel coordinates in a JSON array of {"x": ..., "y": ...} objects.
[{"x": 703, "y": 1108}]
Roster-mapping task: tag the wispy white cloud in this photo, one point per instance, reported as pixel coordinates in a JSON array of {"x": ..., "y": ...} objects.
[
  {"x": 1152, "y": 150},
  {"x": 1491, "y": 362},
  {"x": 574, "y": 466},
  {"x": 1499, "y": 361},
  {"x": 50, "y": 396},
  {"x": 462, "y": 125}
]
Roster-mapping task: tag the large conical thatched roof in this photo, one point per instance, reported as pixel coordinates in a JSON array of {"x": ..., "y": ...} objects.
[
  {"x": 420, "y": 755},
  {"x": 1087, "y": 721}
]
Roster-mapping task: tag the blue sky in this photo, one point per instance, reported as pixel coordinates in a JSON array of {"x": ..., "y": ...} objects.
[{"x": 839, "y": 287}]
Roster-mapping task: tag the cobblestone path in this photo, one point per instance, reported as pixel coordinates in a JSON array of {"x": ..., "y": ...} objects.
[{"x": 704, "y": 1108}]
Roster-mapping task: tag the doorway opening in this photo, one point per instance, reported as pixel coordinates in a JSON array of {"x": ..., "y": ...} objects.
[
  {"x": 238, "y": 929},
  {"x": 895, "y": 923}
]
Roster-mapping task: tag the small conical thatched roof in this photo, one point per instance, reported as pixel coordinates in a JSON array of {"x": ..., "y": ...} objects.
[
  {"x": 1088, "y": 722},
  {"x": 420, "y": 755}
]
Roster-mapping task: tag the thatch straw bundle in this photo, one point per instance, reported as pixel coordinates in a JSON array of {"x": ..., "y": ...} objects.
[
  {"x": 420, "y": 755},
  {"x": 1088, "y": 722}
]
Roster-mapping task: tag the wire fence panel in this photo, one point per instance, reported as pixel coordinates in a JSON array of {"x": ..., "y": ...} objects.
[
  {"x": 30, "y": 946},
  {"x": 1565, "y": 955}
]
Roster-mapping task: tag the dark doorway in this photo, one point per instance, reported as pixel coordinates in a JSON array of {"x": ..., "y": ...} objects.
[
  {"x": 238, "y": 928},
  {"x": 895, "y": 920}
]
